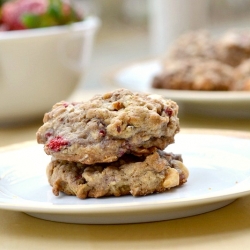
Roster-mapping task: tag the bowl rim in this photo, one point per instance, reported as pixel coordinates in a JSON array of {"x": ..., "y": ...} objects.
[{"x": 89, "y": 23}]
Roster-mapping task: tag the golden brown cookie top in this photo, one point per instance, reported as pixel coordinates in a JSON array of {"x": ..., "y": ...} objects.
[{"x": 108, "y": 126}]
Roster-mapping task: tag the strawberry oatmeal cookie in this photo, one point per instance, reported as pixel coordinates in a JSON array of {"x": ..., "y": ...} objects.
[
  {"x": 109, "y": 126},
  {"x": 130, "y": 174}
]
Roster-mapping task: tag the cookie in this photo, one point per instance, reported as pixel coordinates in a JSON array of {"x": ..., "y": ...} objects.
[
  {"x": 134, "y": 175},
  {"x": 195, "y": 74},
  {"x": 194, "y": 44},
  {"x": 233, "y": 47},
  {"x": 109, "y": 126},
  {"x": 242, "y": 73}
]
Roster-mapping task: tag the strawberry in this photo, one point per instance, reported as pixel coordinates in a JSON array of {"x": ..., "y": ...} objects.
[
  {"x": 12, "y": 12},
  {"x": 28, "y": 14}
]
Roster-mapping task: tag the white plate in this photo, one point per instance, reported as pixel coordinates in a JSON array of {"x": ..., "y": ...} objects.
[
  {"x": 219, "y": 173},
  {"x": 138, "y": 77}
]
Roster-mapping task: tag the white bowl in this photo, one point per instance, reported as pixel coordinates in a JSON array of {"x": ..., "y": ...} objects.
[{"x": 39, "y": 67}]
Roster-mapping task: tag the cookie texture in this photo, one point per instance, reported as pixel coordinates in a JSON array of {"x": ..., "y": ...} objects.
[
  {"x": 195, "y": 74},
  {"x": 109, "y": 126},
  {"x": 139, "y": 176}
]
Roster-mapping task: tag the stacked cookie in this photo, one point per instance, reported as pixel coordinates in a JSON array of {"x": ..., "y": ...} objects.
[{"x": 112, "y": 145}]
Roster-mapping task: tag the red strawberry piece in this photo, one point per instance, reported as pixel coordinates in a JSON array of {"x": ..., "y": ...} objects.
[
  {"x": 168, "y": 111},
  {"x": 57, "y": 143}
]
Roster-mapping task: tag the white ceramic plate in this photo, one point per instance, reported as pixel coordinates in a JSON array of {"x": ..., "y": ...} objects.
[
  {"x": 138, "y": 77},
  {"x": 219, "y": 168}
]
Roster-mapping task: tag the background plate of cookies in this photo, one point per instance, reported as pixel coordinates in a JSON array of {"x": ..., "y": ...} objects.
[
  {"x": 139, "y": 76},
  {"x": 199, "y": 72}
]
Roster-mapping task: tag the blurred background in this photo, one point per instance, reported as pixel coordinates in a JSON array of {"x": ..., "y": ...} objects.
[
  {"x": 141, "y": 29},
  {"x": 131, "y": 31}
]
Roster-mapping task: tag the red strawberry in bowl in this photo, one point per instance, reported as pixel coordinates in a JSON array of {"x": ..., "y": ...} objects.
[
  {"x": 27, "y": 14},
  {"x": 13, "y": 11}
]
